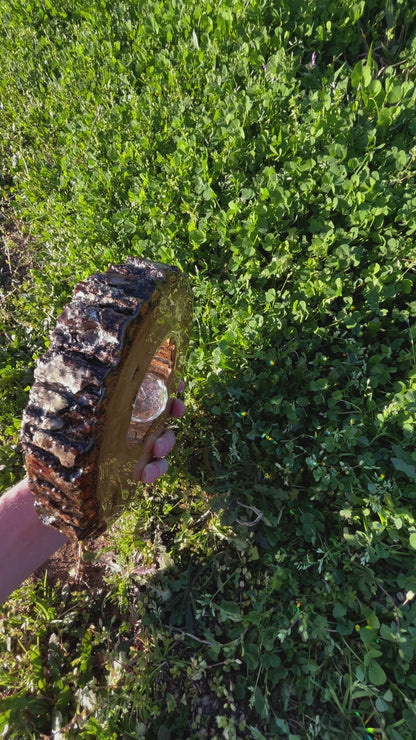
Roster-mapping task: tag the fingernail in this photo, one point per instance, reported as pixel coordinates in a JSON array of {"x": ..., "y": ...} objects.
[{"x": 148, "y": 474}]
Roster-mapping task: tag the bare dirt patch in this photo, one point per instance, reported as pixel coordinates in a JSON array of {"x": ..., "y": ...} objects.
[
  {"x": 17, "y": 252},
  {"x": 68, "y": 565}
]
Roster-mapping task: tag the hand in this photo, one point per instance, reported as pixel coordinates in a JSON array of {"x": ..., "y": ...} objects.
[
  {"x": 25, "y": 542},
  {"x": 152, "y": 464}
]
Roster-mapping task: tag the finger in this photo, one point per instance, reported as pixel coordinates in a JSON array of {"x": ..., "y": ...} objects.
[
  {"x": 145, "y": 458},
  {"x": 178, "y": 409},
  {"x": 147, "y": 449},
  {"x": 152, "y": 471},
  {"x": 164, "y": 444},
  {"x": 157, "y": 445}
]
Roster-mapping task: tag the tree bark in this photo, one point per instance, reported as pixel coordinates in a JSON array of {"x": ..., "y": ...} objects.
[{"x": 89, "y": 413}]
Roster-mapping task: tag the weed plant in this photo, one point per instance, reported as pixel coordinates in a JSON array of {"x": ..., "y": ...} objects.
[{"x": 265, "y": 588}]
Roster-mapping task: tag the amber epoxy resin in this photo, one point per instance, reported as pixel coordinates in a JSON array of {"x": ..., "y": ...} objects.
[{"x": 103, "y": 387}]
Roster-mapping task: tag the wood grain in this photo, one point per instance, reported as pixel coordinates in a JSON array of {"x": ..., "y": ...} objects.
[{"x": 78, "y": 436}]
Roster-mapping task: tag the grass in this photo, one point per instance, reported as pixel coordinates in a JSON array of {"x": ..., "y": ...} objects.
[{"x": 264, "y": 588}]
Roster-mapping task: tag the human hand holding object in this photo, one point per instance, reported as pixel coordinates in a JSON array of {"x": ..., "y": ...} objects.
[
  {"x": 152, "y": 463},
  {"x": 26, "y": 542},
  {"x": 88, "y": 434}
]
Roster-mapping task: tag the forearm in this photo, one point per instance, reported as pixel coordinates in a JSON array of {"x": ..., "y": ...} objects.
[{"x": 25, "y": 543}]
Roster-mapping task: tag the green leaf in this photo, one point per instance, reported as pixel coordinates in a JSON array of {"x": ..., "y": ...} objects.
[
  {"x": 412, "y": 540},
  {"x": 339, "y": 610},
  {"x": 372, "y": 620},
  {"x": 409, "y": 715},
  {"x": 197, "y": 236},
  {"x": 230, "y": 610},
  {"x": 259, "y": 702},
  {"x": 356, "y": 75},
  {"x": 368, "y": 635},
  {"x": 394, "y": 95},
  {"x": 270, "y": 660},
  {"x": 404, "y": 467},
  {"x": 247, "y": 194},
  {"x": 366, "y": 76},
  {"x": 375, "y": 91},
  {"x": 381, "y": 705},
  {"x": 406, "y": 286},
  {"x": 411, "y": 681},
  {"x": 384, "y": 117},
  {"x": 376, "y": 674},
  {"x": 251, "y": 661},
  {"x": 256, "y": 734},
  {"x": 318, "y": 385},
  {"x": 371, "y": 654}
]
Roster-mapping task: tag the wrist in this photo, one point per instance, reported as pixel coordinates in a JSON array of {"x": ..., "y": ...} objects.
[{"x": 25, "y": 542}]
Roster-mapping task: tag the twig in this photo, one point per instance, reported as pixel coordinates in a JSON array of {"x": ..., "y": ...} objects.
[
  {"x": 250, "y": 508},
  {"x": 193, "y": 637},
  {"x": 75, "y": 719},
  {"x": 202, "y": 519}
]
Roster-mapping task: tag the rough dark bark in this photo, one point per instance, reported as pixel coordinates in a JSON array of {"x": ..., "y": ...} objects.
[{"x": 86, "y": 421}]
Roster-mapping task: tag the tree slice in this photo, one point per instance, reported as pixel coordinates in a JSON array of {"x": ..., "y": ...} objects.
[{"x": 101, "y": 389}]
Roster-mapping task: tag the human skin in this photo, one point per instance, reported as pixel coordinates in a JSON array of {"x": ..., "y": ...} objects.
[{"x": 25, "y": 542}]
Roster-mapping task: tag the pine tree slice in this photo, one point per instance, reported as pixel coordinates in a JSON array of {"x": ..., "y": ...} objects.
[{"x": 104, "y": 385}]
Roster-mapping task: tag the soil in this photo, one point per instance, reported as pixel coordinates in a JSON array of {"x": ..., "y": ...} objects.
[
  {"x": 68, "y": 565},
  {"x": 16, "y": 259}
]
